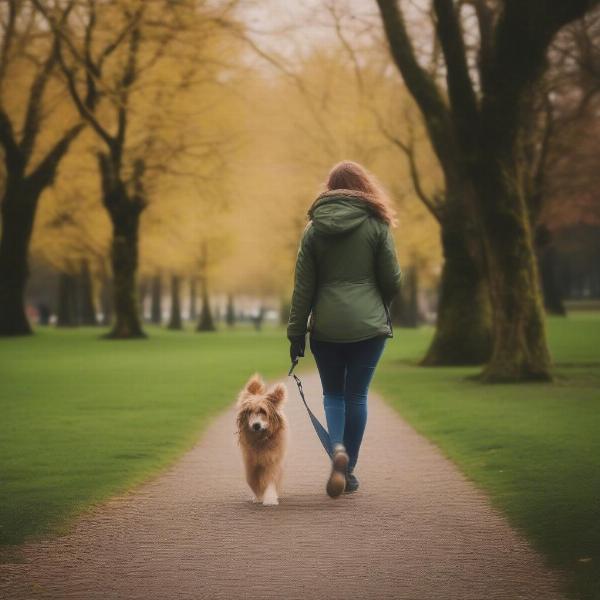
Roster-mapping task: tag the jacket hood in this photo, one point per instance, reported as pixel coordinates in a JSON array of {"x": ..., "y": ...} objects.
[{"x": 339, "y": 211}]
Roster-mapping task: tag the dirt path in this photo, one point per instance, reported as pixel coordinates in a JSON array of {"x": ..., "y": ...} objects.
[{"x": 416, "y": 530}]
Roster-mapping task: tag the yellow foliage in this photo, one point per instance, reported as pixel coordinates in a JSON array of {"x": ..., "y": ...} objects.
[{"x": 236, "y": 154}]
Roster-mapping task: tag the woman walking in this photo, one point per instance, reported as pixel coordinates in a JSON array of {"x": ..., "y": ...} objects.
[{"x": 346, "y": 276}]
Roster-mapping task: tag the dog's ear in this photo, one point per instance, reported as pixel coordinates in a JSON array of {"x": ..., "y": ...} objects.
[
  {"x": 256, "y": 385},
  {"x": 277, "y": 394}
]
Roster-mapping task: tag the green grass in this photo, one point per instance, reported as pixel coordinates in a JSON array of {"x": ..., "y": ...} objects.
[
  {"x": 84, "y": 419},
  {"x": 534, "y": 448}
]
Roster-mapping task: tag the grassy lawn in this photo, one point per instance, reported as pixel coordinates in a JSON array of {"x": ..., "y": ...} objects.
[
  {"x": 534, "y": 448},
  {"x": 84, "y": 418}
]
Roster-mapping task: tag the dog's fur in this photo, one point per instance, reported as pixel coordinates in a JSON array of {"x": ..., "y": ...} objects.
[{"x": 262, "y": 431}]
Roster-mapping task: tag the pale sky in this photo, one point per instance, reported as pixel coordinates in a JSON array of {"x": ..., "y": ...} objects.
[{"x": 298, "y": 23}]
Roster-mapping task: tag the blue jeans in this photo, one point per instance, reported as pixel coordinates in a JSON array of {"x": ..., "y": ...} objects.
[{"x": 346, "y": 371}]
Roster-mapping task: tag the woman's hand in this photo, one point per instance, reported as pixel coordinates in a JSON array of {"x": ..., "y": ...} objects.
[{"x": 297, "y": 346}]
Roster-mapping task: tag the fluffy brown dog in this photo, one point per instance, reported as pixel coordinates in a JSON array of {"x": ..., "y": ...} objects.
[{"x": 262, "y": 430}]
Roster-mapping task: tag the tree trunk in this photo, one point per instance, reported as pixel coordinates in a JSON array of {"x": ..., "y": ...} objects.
[
  {"x": 546, "y": 254},
  {"x": 87, "y": 305},
  {"x": 520, "y": 350},
  {"x": 463, "y": 334},
  {"x": 67, "y": 313},
  {"x": 18, "y": 213},
  {"x": 193, "y": 299},
  {"x": 124, "y": 260},
  {"x": 106, "y": 300},
  {"x": 206, "y": 322},
  {"x": 175, "y": 320},
  {"x": 230, "y": 311},
  {"x": 156, "y": 301}
]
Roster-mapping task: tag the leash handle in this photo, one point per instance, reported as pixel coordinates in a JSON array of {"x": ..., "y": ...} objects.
[{"x": 291, "y": 371}]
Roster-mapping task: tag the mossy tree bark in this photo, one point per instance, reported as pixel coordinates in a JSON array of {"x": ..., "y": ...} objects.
[
  {"x": 520, "y": 350},
  {"x": 463, "y": 334}
]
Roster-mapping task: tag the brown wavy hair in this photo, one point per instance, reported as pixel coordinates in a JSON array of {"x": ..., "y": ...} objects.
[{"x": 352, "y": 178}]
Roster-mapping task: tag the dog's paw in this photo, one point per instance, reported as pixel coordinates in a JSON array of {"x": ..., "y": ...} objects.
[
  {"x": 270, "y": 496},
  {"x": 255, "y": 500}
]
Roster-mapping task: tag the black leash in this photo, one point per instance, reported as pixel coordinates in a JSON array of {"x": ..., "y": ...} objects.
[{"x": 319, "y": 429}]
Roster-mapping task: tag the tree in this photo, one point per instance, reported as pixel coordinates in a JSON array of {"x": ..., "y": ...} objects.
[
  {"x": 193, "y": 312},
  {"x": 71, "y": 235},
  {"x": 156, "y": 300},
  {"x": 206, "y": 322},
  {"x": 125, "y": 74},
  {"x": 122, "y": 185},
  {"x": 564, "y": 178},
  {"x": 66, "y": 311},
  {"x": 175, "y": 320},
  {"x": 75, "y": 305},
  {"x": 30, "y": 162},
  {"x": 230, "y": 311},
  {"x": 463, "y": 329},
  {"x": 481, "y": 127}
]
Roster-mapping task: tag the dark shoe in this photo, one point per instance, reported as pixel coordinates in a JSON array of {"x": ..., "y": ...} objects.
[
  {"x": 339, "y": 465},
  {"x": 351, "y": 483}
]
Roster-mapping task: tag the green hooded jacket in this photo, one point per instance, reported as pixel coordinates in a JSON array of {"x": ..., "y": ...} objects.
[{"x": 347, "y": 272}]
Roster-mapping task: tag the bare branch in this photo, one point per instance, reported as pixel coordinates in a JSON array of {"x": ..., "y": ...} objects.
[
  {"x": 84, "y": 106},
  {"x": 316, "y": 112},
  {"x": 45, "y": 172},
  {"x": 420, "y": 83},
  {"x": 7, "y": 39},
  {"x": 331, "y": 7},
  {"x": 127, "y": 80},
  {"x": 460, "y": 86},
  {"x": 485, "y": 23},
  {"x": 433, "y": 204},
  {"x": 12, "y": 154}
]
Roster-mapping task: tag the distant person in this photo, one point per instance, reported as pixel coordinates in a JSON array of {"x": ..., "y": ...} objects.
[{"x": 346, "y": 275}]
